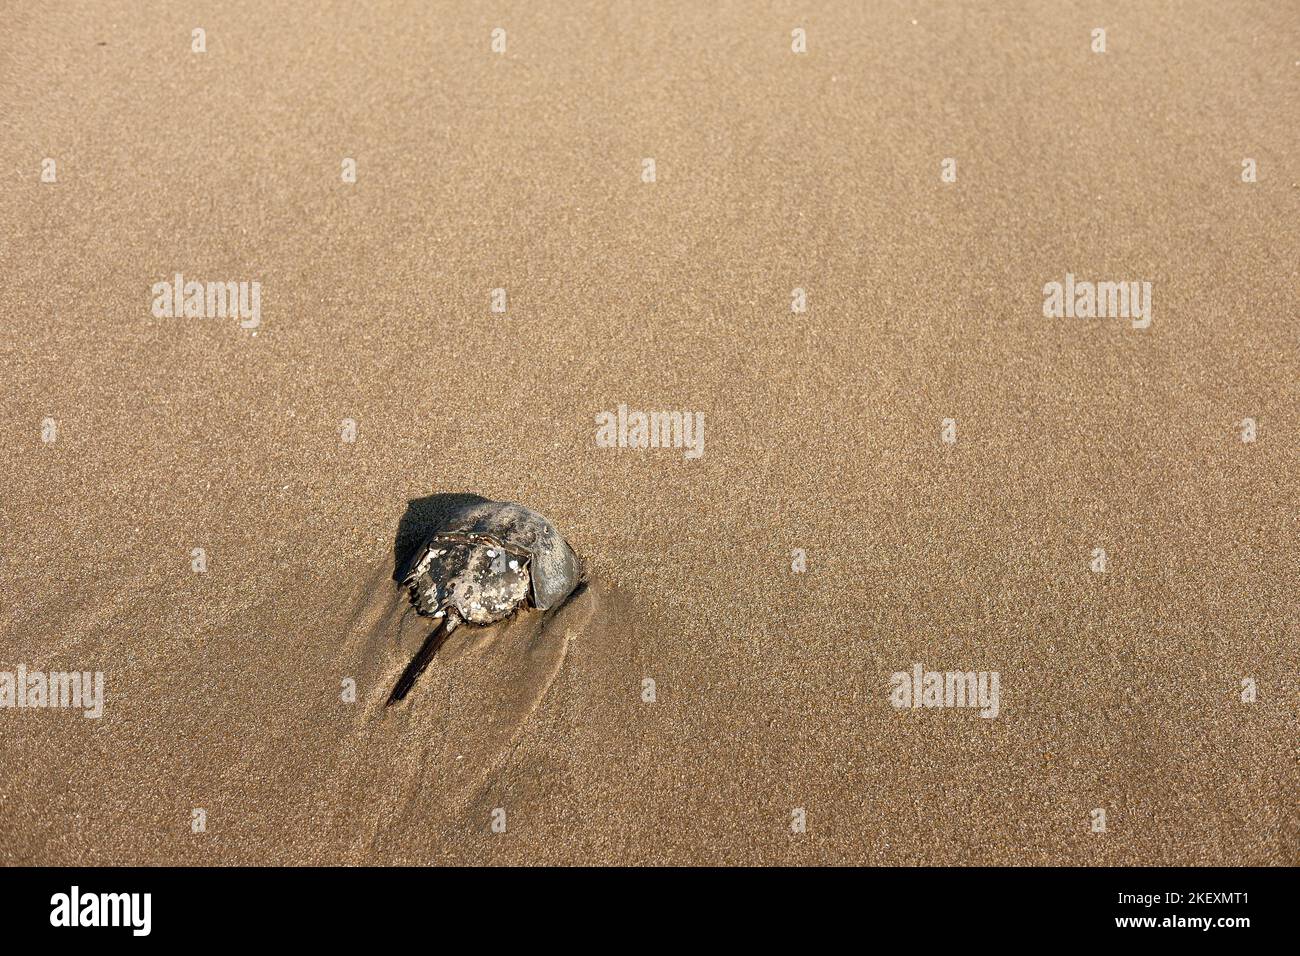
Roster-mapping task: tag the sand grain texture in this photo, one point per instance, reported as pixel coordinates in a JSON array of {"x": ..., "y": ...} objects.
[{"x": 775, "y": 171}]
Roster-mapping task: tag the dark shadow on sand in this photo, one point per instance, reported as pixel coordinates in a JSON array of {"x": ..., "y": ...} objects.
[{"x": 423, "y": 516}]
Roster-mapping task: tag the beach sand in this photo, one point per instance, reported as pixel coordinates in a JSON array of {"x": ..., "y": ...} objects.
[{"x": 224, "y": 688}]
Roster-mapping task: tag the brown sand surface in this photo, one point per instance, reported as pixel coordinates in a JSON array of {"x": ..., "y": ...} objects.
[{"x": 1119, "y": 691}]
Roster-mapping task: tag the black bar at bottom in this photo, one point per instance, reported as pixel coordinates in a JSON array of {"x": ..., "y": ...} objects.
[{"x": 334, "y": 906}]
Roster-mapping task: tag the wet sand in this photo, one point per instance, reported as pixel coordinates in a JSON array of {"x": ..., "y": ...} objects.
[{"x": 224, "y": 688}]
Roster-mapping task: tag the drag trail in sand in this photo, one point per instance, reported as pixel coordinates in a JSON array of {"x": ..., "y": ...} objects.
[{"x": 435, "y": 754}]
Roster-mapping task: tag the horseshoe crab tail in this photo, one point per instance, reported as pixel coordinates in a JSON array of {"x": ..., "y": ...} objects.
[{"x": 421, "y": 659}]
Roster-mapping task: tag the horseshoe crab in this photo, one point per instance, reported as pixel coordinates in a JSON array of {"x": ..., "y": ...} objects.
[{"x": 485, "y": 561}]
